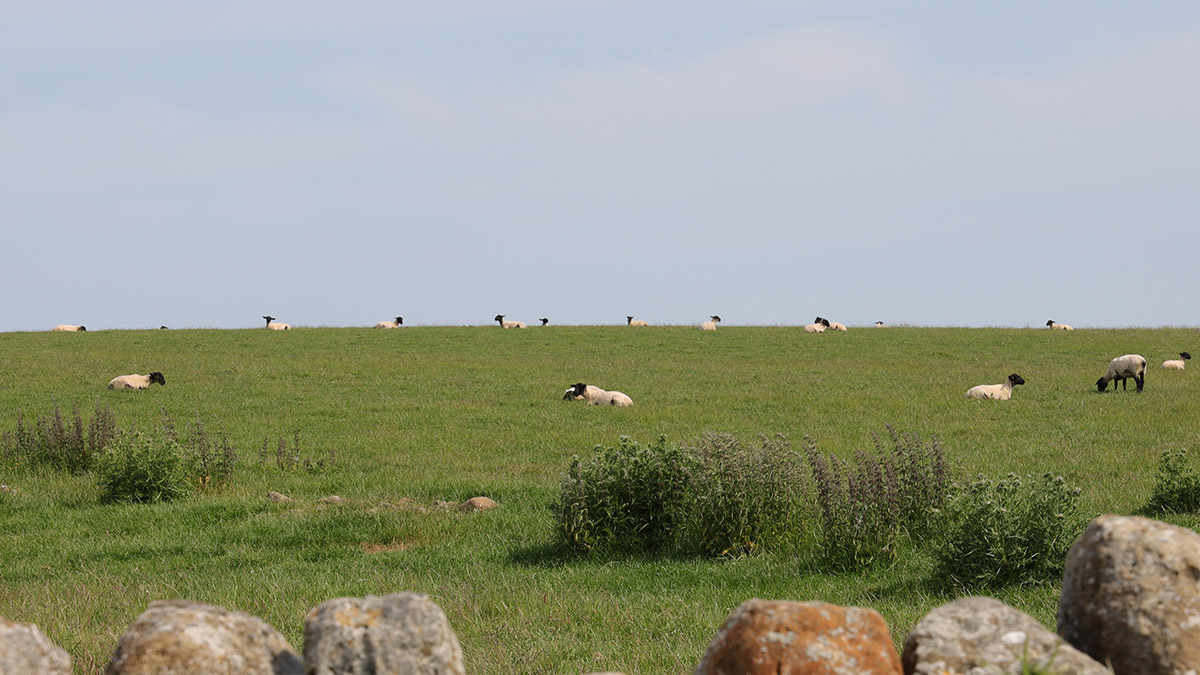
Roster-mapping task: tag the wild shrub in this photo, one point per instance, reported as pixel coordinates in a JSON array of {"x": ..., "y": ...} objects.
[
  {"x": 60, "y": 444},
  {"x": 739, "y": 498},
  {"x": 1012, "y": 530},
  {"x": 141, "y": 467},
  {"x": 622, "y": 498},
  {"x": 1176, "y": 486},
  {"x": 292, "y": 459}
]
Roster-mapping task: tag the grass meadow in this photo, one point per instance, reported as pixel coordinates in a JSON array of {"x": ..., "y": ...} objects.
[{"x": 448, "y": 413}]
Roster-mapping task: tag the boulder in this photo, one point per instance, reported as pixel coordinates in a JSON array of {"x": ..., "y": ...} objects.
[
  {"x": 181, "y": 636},
  {"x": 400, "y": 633},
  {"x": 764, "y": 637},
  {"x": 278, "y": 496},
  {"x": 477, "y": 504},
  {"x": 980, "y": 635},
  {"x": 1131, "y": 595},
  {"x": 24, "y": 649}
]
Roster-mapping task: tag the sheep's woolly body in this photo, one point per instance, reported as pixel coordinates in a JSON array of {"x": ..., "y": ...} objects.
[
  {"x": 1177, "y": 364},
  {"x": 833, "y": 325},
  {"x": 391, "y": 324},
  {"x": 1057, "y": 326},
  {"x": 638, "y": 322},
  {"x": 596, "y": 396},
  {"x": 1121, "y": 369},
  {"x": 999, "y": 392},
  {"x": 508, "y": 324},
  {"x": 67, "y": 328},
  {"x": 136, "y": 381},
  {"x": 273, "y": 325},
  {"x": 814, "y": 328},
  {"x": 710, "y": 325}
]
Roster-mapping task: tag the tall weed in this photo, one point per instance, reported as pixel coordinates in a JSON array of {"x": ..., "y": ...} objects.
[
  {"x": 64, "y": 445},
  {"x": 1176, "y": 486}
]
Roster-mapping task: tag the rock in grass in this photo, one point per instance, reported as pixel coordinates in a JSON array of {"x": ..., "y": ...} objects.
[
  {"x": 403, "y": 633},
  {"x": 984, "y": 635},
  {"x": 1131, "y": 595},
  {"x": 477, "y": 504},
  {"x": 278, "y": 496},
  {"x": 181, "y": 636},
  {"x": 764, "y": 637},
  {"x": 24, "y": 649}
]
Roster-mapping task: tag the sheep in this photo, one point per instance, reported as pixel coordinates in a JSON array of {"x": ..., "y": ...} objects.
[
  {"x": 391, "y": 324},
  {"x": 629, "y": 320},
  {"x": 68, "y": 328},
  {"x": 711, "y": 325},
  {"x": 880, "y": 324},
  {"x": 1177, "y": 364},
  {"x": 508, "y": 324},
  {"x": 163, "y": 328},
  {"x": 833, "y": 325},
  {"x": 544, "y": 320},
  {"x": 1000, "y": 392},
  {"x": 817, "y": 327},
  {"x": 137, "y": 381},
  {"x": 1057, "y": 326},
  {"x": 1123, "y": 368},
  {"x": 596, "y": 396},
  {"x": 272, "y": 325}
]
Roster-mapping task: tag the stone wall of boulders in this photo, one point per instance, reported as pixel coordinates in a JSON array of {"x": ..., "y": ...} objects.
[{"x": 1130, "y": 601}]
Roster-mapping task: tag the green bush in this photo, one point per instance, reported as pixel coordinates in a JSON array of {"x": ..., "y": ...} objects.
[
  {"x": 137, "y": 467},
  {"x": 1012, "y": 530},
  {"x": 1176, "y": 486},
  {"x": 51, "y": 441}
]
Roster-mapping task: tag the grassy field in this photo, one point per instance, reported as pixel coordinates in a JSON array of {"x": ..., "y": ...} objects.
[{"x": 451, "y": 413}]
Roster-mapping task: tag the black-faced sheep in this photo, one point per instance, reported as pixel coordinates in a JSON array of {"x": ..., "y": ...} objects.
[
  {"x": 880, "y": 324},
  {"x": 1000, "y": 392},
  {"x": 629, "y": 320},
  {"x": 272, "y": 325},
  {"x": 711, "y": 325},
  {"x": 68, "y": 328},
  {"x": 391, "y": 324},
  {"x": 1057, "y": 326},
  {"x": 1177, "y": 364},
  {"x": 596, "y": 396},
  {"x": 137, "y": 381},
  {"x": 544, "y": 320},
  {"x": 1123, "y": 368},
  {"x": 508, "y": 324}
]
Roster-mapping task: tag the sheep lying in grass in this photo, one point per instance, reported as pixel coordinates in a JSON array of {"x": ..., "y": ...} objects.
[
  {"x": 1123, "y": 368},
  {"x": 1000, "y": 392},
  {"x": 711, "y": 325},
  {"x": 830, "y": 325},
  {"x": 816, "y": 327},
  {"x": 880, "y": 324},
  {"x": 1057, "y": 326},
  {"x": 1177, "y": 364},
  {"x": 272, "y": 325},
  {"x": 391, "y": 324},
  {"x": 68, "y": 328},
  {"x": 508, "y": 324},
  {"x": 639, "y": 322},
  {"x": 137, "y": 381},
  {"x": 596, "y": 396}
]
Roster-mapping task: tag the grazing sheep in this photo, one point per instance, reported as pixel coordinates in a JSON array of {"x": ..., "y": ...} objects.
[
  {"x": 137, "y": 381},
  {"x": 544, "y": 320},
  {"x": 391, "y": 324},
  {"x": 711, "y": 325},
  {"x": 1177, "y": 364},
  {"x": 1057, "y": 326},
  {"x": 271, "y": 325},
  {"x": 67, "y": 328},
  {"x": 1000, "y": 392},
  {"x": 1123, "y": 368},
  {"x": 596, "y": 396},
  {"x": 508, "y": 324},
  {"x": 880, "y": 324},
  {"x": 639, "y": 322}
]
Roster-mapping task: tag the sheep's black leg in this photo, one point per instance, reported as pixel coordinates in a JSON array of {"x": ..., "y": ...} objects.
[{"x": 1141, "y": 381}]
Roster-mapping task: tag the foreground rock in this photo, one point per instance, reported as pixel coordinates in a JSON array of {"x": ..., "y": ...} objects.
[
  {"x": 180, "y": 636},
  {"x": 1131, "y": 595},
  {"x": 477, "y": 504},
  {"x": 403, "y": 633},
  {"x": 24, "y": 649},
  {"x": 764, "y": 637},
  {"x": 982, "y": 635}
]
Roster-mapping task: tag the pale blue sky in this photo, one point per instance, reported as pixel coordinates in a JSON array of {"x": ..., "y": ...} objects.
[{"x": 937, "y": 163}]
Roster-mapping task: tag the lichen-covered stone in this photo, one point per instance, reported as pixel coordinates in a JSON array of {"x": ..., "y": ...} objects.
[
  {"x": 181, "y": 636},
  {"x": 1131, "y": 595},
  {"x": 982, "y": 636},
  {"x": 399, "y": 634},
  {"x": 26, "y": 651},
  {"x": 765, "y": 637}
]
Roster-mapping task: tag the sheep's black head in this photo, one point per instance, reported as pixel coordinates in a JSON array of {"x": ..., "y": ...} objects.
[
  {"x": 544, "y": 320},
  {"x": 157, "y": 377},
  {"x": 1050, "y": 323},
  {"x": 499, "y": 317},
  {"x": 1101, "y": 384},
  {"x": 1016, "y": 379},
  {"x": 269, "y": 319},
  {"x": 1186, "y": 356},
  {"x": 825, "y": 322},
  {"x": 629, "y": 319},
  {"x": 83, "y": 328},
  {"x": 162, "y": 328},
  {"x": 716, "y": 318},
  {"x": 399, "y": 320},
  {"x": 574, "y": 391}
]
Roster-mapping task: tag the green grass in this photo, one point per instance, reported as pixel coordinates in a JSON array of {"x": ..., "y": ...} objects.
[{"x": 452, "y": 413}]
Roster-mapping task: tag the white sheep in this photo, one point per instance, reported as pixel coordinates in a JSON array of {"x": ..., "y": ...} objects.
[
  {"x": 1123, "y": 368},
  {"x": 68, "y": 328},
  {"x": 391, "y": 324},
  {"x": 508, "y": 324},
  {"x": 639, "y": 322},
  {"x": 1000, "y": 392},
  {"x": 1177, "y": 364},
  {"x": 833, "y": 325},
  {"x": 880, "y": 324},
  {"x": 817, "y": 327},
  {"x": 544, "y": 320},
  {"x": 1057, "y": 326},
  {"x": 596, "y": 396},
  {"x": 137, "y": 381},
  {"x": 711, "y": 325},
  {"x": 272, "y": 325}
]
